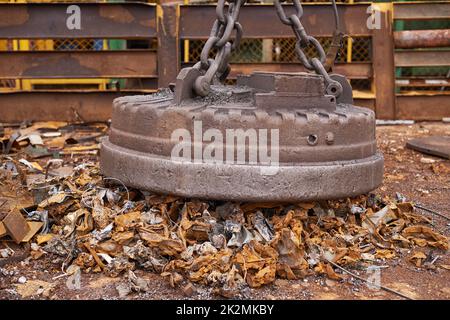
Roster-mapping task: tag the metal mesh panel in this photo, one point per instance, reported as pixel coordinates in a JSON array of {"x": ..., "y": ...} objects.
[
  {"x": 69, "y": 44},
  {"x": 77, "y": 44},
  {"x": 284, "y": 50},
  {"x": 361, "y": 49},
  {"x": 424, "y": 72},
  {"x": 361, "y": 84},
  {"x": 251, "y": 50}
]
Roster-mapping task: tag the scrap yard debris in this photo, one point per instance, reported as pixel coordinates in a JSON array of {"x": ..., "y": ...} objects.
[{"x": 66, "y": 210}]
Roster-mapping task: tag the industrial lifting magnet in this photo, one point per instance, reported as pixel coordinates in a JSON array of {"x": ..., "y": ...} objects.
[{"x": 273, "y": 136}]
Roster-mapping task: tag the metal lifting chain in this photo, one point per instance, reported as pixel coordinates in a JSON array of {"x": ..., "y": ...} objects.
[
  {"x": 323, "y": 62},
  {"x": 219, "y": 38},
  {"x": 226, "y": 22}
]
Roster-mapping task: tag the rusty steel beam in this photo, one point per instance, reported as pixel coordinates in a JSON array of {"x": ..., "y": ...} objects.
[
  {"x": 418, "y": 58},
  {"x": 168, "y": 44},
  {"x": 130, "y": 20},
  {"x": 423, "y": 107},
  {"x": 355, "y": 70},
  {"x": 261, "y": 21},
  {"x": 384, "y": 64},
  {"x": 422, "y": 38},
  {"x": 78, "y": 64},
  {"x": 367, "y": 103},
  {"x": 87, "y": 105},
  {"x": 430, "y": 10},
  {"x": 91, "y": 105}
]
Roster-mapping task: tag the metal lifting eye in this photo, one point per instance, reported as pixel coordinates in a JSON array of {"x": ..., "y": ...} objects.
[{"x": 334, "y": 88}]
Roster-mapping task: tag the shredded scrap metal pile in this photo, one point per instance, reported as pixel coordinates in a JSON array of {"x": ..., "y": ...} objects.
[{"x": 101, "y": 226}]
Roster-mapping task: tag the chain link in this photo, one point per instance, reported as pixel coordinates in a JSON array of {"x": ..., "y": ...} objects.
[
  {"x": 303, "y": 39},
  {"x": 227, "y": 21},
  {"x": 219, "y": 38}
]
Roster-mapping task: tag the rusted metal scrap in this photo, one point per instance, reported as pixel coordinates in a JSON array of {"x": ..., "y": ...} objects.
[
  {"x": 271, "y": 137},
  {"x": 436, "y": 145},
  {"x": 16, "y": 226}
]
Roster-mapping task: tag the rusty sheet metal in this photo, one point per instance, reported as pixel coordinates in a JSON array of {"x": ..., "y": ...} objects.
[
  {"x": 422, "y": 38},
  {"x": 434, "y": 145},
  {"x": 130, "y": 20},
  {"x": 423, "y": 107},
  {"x": 87, "y": 105},
  {"x": 415, "y": 58},
  {"x": 429, "y": 10},
  {"x": 3, "y": 231},
  {"x": 261, "y": 21},
  {"x": 16, "y": 226},
  {"x": 78, "y": 64}
]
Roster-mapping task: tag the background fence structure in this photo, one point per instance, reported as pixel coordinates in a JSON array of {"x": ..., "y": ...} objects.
[{"x": 49, "y": 72}]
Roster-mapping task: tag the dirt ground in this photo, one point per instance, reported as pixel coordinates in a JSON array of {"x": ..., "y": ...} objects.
[{"x": 408, "y": 172}]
